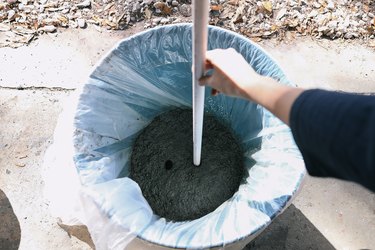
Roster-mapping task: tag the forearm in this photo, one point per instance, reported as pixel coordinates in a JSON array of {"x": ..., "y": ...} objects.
[{"x": 275, "y": 97}]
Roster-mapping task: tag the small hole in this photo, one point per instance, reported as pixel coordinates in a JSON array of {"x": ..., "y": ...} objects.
[{"x": 168, "y": 165}]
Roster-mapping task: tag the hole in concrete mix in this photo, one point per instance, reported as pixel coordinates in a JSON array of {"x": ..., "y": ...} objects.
[{"x": 168, "y": 165}]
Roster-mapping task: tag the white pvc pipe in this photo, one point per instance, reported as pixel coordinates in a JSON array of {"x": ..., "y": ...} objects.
[{"x": 200, "y": 30}]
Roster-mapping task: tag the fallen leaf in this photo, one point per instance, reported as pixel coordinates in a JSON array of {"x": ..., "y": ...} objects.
[
  {"x": 216, "y": 7},
  {"x": 274, "y": 27},
  {"x": 281, "y": 14},
  {"x": 120, "y": 17},
  {"x": 108, "y": 6},
  {"x": 233, "y": 2},
  {"x": 163, "y": 8},
  {"x": 267, "y": 5},
  {"x": 21, "y": 30},
  {"x": 148, "y": 13},
  {"x": 226, "y": 13},
  {"x": 366, "y": 8},
  {"x": 63, "y": 19},
  {"x": 256, "y": 39},
  {"x": 110, "y": 24},
  {"x": 50, "y": 5}
]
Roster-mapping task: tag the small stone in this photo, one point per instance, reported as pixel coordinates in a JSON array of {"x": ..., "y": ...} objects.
[
  {"x": 81, "y": 23},
  {"x": 174, "y": 3},
  {"x": 21, "y": 165},
  {"x": 84, "y": 4},
  {"x": 293, "y": 3},
  {"x": 12, "y": 1},
  {"x": 332, "y": 24},
  {"x": 21, "y": 6},
  {"x": 137, "y": 7},
  {"x": 164, "y": 21},
  {"x": 185, "y": 10},
  {"x": 156, "y": 21},
  {"x": 7, "y": 171},
  {"x": 11, "y": 15},
  {"x": 350, "y": 35},
  {"x": 316, "y": 5},
  {"x": 330, "y": 5},
  {"x": 313, "y": 13},
  {"x": 48, "y": 29}
]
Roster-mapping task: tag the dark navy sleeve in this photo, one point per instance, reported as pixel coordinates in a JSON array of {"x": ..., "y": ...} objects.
[{"x": 335, "y": 133}]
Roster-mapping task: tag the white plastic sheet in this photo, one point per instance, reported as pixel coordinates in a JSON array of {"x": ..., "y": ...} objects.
[{"x": 142, "y": 77}]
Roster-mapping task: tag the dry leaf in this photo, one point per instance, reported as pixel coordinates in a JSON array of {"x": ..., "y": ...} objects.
[
  {"x": 50, "y": 5},
  {"x": 108, "y": 6},
  {"x": 148, "y": 13},
  {"x": 63, "y": 19},
  {"x": 216, "y": 7},
  {"x": 21, "y": 30},
  {"x": 267, "y": 6},
  {"x": 120, "y": 17},
  {"x": 366, "y": 8},
  {"x": 281, "y": 14},
  {"x": 226, "y": 13},
  {"x": 233, "y": 2},
  {"x": 110, "y": 24},
  {"x": 256, "y": 39},
  {"x": 274, "y": 27},
  {"x": 163, "y": 8}
]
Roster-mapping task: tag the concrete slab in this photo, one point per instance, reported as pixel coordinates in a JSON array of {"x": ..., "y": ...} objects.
[
  {"x": 28, "y": 119},
  {"x": 339, "y": 214}
]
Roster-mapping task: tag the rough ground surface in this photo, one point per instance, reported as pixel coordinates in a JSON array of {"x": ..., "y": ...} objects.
[
  {"x": 23, "y": 20},
  {"x": 326, "y": 211}
]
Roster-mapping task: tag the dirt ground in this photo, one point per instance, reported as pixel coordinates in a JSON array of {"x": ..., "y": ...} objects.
[{"x": 35, "y": 81}]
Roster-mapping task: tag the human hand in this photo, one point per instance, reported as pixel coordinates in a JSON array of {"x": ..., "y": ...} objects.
[{"x": 232, "y": 75}]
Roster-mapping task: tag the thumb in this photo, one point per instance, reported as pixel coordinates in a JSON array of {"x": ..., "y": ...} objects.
[{"x": 203, "y": 80}]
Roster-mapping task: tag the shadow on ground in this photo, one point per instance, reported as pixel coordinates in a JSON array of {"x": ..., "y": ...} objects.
[
  {"x": 10, "y": 230},
  {"x": 291, "y": 230}
]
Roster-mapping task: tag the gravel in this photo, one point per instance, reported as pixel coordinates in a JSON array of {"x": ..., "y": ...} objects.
[{"x": 22, "y": 20}]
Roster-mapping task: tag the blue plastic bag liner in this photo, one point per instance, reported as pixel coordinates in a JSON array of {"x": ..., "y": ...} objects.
[{"x": 142, "y": 77}]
